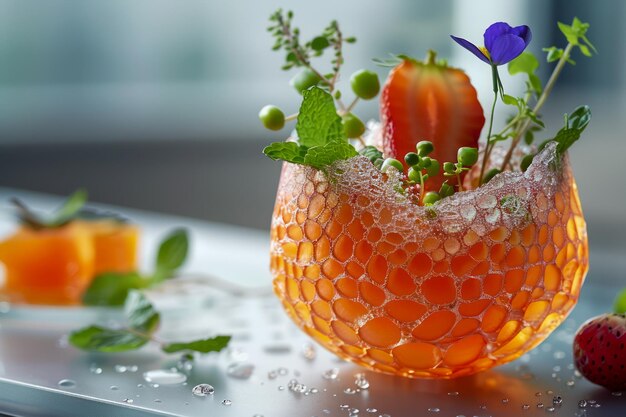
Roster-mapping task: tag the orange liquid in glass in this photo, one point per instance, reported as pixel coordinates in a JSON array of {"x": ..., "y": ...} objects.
[{"x": 431, "y": 295}]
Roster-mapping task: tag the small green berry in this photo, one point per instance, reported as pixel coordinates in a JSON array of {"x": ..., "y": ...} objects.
[
  {"x": 490, "y": 174},
  {"x": 415, "y": 175},
  {"x": 353, "y": 126},
  {"x": 526, "y": 161},
  {"x": 424, "y": 147},
  {"x": 365, "y": 84},
  {"x": 467, "y": 156},
  {"x": 426, "y": 161},
  {"x": 304, "y": 80},
  {"x": 431, "y": 197},
  {"x": 412, "y": 159},
  {"x": 446, "y": 190},
  {"x": 272, "y": 117},
  {"x": 433, "y": 168},
  {"x": 449, "y": 167},
  {"x": 390, "y": 162}
]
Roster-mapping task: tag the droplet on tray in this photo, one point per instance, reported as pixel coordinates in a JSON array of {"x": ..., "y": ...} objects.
[
  {"x": 558, "y": 400},
  {"x": 277, "y": 348},
  {"x": 202, "y": 390},
  {"x": 95, "y": 369},
  {"x": 349, "y": 391},
  {"x": 434, "y": 410},
  {"x": 308, "y": 352},
  {"x": 332, "y": 373},
  {"x": 353, "y": 412},
  {"x": 296, "y": 386},
  {"x": 164, "y": 377},
  {"x": 361, "y": 382},
  {"x": 240, "y": 370},
  {"x": 227, "y": 402},
  {"x": 128, "y": 400},
  {"x": 67, "y": 383},
  {"x": 113, "y": 388}
]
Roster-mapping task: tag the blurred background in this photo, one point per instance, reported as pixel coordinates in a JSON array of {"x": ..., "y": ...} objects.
[{"x": 153, "y": 103}]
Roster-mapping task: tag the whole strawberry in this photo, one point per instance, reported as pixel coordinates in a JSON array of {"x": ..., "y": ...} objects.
[{"x": 599, "y": 352}]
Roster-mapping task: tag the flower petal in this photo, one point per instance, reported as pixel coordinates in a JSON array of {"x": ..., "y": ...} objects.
[
  {"x": 495, "y": 31},
  {"x": 472, "y": 48},
  {"x": 523, "y": 32},
  {"x": 506, "y": 48}
]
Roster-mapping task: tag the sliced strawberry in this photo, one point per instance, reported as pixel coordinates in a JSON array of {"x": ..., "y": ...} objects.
[
  {"x": 600, "y": 353},
  {"x": 428, "y": 101}
]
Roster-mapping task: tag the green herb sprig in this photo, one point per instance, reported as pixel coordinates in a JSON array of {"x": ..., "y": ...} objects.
[
  {"x": 112, "y": 288},
  {"x": 142, "y": 322}
]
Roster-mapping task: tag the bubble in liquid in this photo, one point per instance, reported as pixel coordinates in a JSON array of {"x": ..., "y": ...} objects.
[
  {"x": 227, "y": 402},
  {"x": 240, "y": 370},
  {"x": 164, "y": 377},
  {"x": 67, "y": 383},
  {"x": 202, "y": 390}
]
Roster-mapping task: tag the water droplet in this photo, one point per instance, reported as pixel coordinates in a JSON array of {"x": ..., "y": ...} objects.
[
  {"x": 297, "y": 387},
  {"x": 332, "y": 373},
  {"x": 360, "y": 381},
  {"x": 556, "y": 368},
  {"x": 570, "y": 383},
  {"x": 349, "y": 391},
  {"x": 272, "y": 374},
  {"x": 384, "y": 415},
  {"x": 240, "y": 370},
  {"x": 227, "y": 402},
  {"x": 558, "y": 400},
  {"x": 353, "y": 412},
  {"x": 577, "y": 374},
  {"x": 371, "y": 410},
  {"x": 582, "y": 404},
  {"x": 505, "y": 401},
  {"x": 483, "y": 407},
  {"x": 202, "y": 390},
  {"x": 617, "y": 393},
  {"x": 308, "y": 352},
  {"x": 120, "y": 369},
  {"x": 67, "y": 383},
  {"x": 592, "y": 401},
  {"x": 314, "y": 390},
  {"x": 559, "y": 354},
  {"x": 326, "y": 411},
  {"x": 158, "y": 401},
  {"x": 525, "y": 406},
  {"x": 185, "y": 363},
  {"x": 550, "y": 409},
  {"x": 128, "y": 400},
  {"x": 282, "y": 371},
  {"x": 154, "y": 385},
  {"x": 113, "y": 388},
  {"x": 95, "y": 369},
  {"x": 344, "y": 406},
  {"x": 453, "y": 393},
  {"x": 281, "y": 388},
  {"x": 539, "y": 405},
  {"x": 549, "y": 392},
  {"x": 434, "y": 410},
  {"x": 164, "y": 377},
  {"x": 538, "y": 394},
  {"x": 132, "y": 368},
  {"x": 595, "y": 405}
]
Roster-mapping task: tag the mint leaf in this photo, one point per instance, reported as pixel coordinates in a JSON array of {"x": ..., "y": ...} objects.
[
  {"x": 71, "y": 207},
  {"x": 322, "y": 156},
  {"x": 111, "y": 289},
  {"x": 66, "y": 213},
  {"x": 140, "y": 313},
  {"x": 318, "y": 121},
  {"x": 214, "y": 344},
  {"x": 286, "y": 151},
  {"x": 106, "y": 340},
  {"x": 619, "y": 306},
  {"x": 172, "y": 252},
  {"x": 525, "y": 63}
]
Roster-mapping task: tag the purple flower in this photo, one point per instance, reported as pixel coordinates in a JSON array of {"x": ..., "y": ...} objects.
[{"x": 503, "y": 43}]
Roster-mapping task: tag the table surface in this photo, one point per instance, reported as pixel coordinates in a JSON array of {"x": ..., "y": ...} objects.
[{"x": 266, "y": 353}]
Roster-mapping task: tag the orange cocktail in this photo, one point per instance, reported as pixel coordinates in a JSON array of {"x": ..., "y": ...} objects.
[{"x": 428, "y": 291}]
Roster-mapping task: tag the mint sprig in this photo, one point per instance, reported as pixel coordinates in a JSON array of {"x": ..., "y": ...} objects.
[
  {"x": 63, "y": 215},
  {"x": 112, "y": 288},
  {"x": 321, "y": 137},
  {"x": 142, "y": 323}
]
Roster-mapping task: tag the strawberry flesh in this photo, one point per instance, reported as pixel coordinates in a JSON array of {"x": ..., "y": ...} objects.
[
  {"x": 428, "y": 101},
  {"x": 599, "y": 351}
]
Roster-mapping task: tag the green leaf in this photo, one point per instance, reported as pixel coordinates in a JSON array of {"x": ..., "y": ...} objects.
[
  {"x": 526, "y": 63},
  {"x": 577, "y": 122},
  {"x": 318, "y": 121},
  {"x": 584, "y": 50},
  {"x": 71, "y": 207},
  {"x": 320, "y": 43},
  {"x": 140, "y": 313},
  {"x": 63, "y": 215},
  {"x": 214, "y": 344},
  {"x": 529, "y": 137},
  {"x": 111, "y": 289},
  {"x": 535, "y": 83},
  {"x": 172, "y": 251},
  {"x": 322, "y": 156},
  {"x": 619, "y": 306},
  {"x": 509, "y": 100},
  {"x": 553, "y": 53},
  {"x": 286, "y": 151},
  {"x": 569, "y": 32},
  {"x": 106, "y": 340},
  {"x": 532, "y": 116}
]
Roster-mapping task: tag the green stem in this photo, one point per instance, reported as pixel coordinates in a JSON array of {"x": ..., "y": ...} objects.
[
  {"x": 291, "y": 117},
  {"x": 458, "y": 179},
  {"x": 422, "y": 191},
  {"x": 496, "y": 88},
  {"x": 540, "y": 102}
]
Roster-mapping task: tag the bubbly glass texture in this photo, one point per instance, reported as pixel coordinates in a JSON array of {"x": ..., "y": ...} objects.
[{"x": 428, "y": 292}]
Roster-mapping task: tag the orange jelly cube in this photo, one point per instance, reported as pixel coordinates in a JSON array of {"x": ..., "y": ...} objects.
[
  {"x": 115, "y": 245},
  {"x": 48, "y": 266}
]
